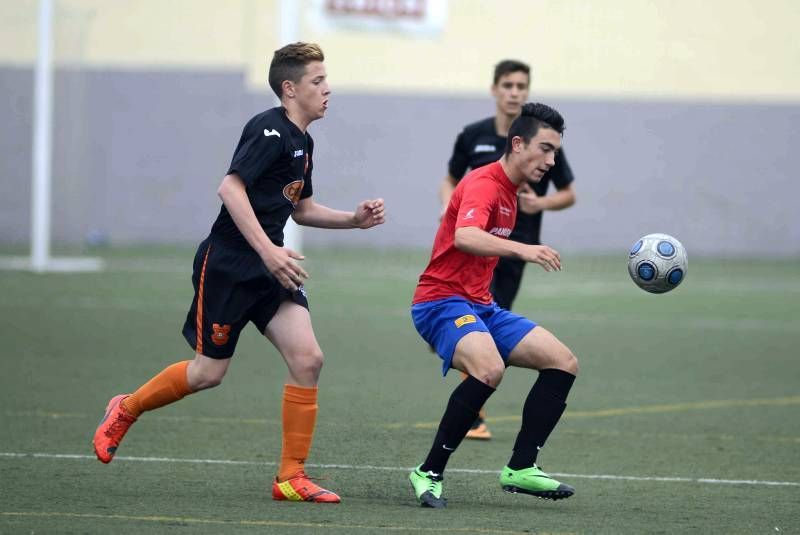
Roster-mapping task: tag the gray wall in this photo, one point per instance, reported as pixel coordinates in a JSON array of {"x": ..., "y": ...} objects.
[{"x": 138, "y": 157}]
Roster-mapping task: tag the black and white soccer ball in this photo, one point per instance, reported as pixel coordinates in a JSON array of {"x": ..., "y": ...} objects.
[{"x": 657, "y": 263}]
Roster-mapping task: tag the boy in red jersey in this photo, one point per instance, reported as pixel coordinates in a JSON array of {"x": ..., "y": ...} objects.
[
  {"x": 454, "y": 312},
  {"x": 243, "y": 273},
  {"x": 483, "y": 142}
]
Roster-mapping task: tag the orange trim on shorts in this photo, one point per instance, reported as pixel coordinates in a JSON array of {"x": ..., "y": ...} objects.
[{"x": 199, "y": 317}]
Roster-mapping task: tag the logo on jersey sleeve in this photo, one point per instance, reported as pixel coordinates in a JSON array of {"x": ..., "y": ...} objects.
[
  {"x": 221, "y": 334},
  {"x": 470, "y": 214},
  {"x": 484, "y": 148},
  {"x": 272, "y": 132},
  {"x": 292, "y": 191},
  {"x": 464, "y": 320}
]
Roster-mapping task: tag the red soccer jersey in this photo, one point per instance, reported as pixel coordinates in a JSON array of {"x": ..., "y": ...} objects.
[{"x": 486, "y": 199}]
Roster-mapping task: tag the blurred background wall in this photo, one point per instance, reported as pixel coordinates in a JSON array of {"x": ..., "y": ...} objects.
[{"x": 681, "y": 115}]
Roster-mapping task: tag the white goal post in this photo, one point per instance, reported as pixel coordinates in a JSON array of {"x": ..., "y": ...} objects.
[{"x": 40, "y": 259}]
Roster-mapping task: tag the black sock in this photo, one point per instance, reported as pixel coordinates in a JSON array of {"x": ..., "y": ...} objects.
[
  {"x": 540, "y": 414},
  {"x": 465, "y": 402}
]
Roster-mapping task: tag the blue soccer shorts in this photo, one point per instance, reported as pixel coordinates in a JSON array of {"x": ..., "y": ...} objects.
[{"x": 442, "y": 323}]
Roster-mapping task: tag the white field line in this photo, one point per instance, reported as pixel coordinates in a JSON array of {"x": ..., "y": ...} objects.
[{"x": 668, "y": 479}]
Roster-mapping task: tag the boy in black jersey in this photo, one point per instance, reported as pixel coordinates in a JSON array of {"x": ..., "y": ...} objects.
[
  {"x": 242, "y": 272},
  {"x": 484, "y": 142}
]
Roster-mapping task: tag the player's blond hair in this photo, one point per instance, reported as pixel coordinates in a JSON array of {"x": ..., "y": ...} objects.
[{"x": 289, "y": 63}]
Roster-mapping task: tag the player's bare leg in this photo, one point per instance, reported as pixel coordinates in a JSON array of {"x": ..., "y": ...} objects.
[
  {"x": 540, "y": 349},
  {"x": 291, "y": 332}
]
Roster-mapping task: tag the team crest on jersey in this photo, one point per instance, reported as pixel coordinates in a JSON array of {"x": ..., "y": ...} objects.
[
  {"x": 465, "y": 319},
  {"x": 292, "y": 191},
  {"x": 221, "y": 334}
]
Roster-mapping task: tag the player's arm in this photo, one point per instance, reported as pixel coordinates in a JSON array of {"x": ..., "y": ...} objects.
[
  {"x": 563, "y": 197},
  {"x": 531, "y": 203},
  {"x": 456, "y": 167},
  {"x": 367, "y": 214},
  {"x": 446, "y": 191},
  {"x": 278, "y": 260},
  {"x": 478, "y": 242}
]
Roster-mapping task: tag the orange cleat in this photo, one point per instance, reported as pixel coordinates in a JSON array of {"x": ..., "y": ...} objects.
[
  {"x": 300, "y": 488},
  {"x": 479, "y": 429},
  {"x": 481, "y": 432},
  {"x": 112, "y": 428}
]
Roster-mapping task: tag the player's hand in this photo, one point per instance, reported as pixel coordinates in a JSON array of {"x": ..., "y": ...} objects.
[
  {"x": 281, "y": 263},
  {"x": 545, "y": 256},
  {"x": 369, "y": 214},
  {"x": 528, "y": 201}
]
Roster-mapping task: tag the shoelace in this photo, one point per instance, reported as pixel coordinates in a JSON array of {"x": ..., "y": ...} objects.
[
  {"x": 306, "y": 476},
  {"x": 312, "y": 489},
  {"x": 432, "y": 481},
  {"x": 312, "y": 484},
  {"x": 117, "y": 425}
]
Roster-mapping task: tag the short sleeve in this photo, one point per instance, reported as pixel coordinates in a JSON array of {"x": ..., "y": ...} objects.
[
  {"x": 561, "y": 172},
  {"x": 478, "y": 199},
  {"x": 459, "y": 160},
  {"x": 258, "y": 148}
]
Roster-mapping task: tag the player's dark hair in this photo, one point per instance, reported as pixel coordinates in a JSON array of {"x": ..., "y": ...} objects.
[
  {"x": 289, "y": 63},
  {"x": 533, "y": 117},
  {"x": 507, "y": 66}
]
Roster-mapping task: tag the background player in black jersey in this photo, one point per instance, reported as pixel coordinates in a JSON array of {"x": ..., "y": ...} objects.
[
  {"x": 483, "y": 142},
  {"x": 243, "y": 274}
]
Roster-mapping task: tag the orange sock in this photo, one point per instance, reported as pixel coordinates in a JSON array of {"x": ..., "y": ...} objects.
[
  {"x": 168, "y": 386},
  {"x": 299, "y": 418}
]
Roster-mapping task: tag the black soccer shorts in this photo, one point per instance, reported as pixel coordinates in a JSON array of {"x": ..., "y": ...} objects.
[{"x": 231, "y": 288}]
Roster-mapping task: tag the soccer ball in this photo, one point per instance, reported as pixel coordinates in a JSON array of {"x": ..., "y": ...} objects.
[{"x": 657, "y": 263}]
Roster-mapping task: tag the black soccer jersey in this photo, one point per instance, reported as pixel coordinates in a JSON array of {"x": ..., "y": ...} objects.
[
  {"x": 478, "y": 144},
  {"x": 274, "y": 160}
]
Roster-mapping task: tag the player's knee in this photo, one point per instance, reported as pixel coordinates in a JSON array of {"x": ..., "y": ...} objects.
[
  {"x": 203, "y": 373},
  {"x": 206, "y": 379},
  {"x": 569, "y": 363},
  {"x": 308, "y": 363},
  {"x": 492, "y": 374}
]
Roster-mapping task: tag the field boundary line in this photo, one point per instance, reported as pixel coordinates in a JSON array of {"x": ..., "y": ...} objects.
[
  {"x": 666, "y": 479},
  {"x": 254, "y": 523}
]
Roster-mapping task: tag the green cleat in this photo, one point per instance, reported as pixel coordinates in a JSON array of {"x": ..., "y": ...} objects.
[
  {"x": 427, "y": 488},
  {"x": 534, "y": 482}
]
